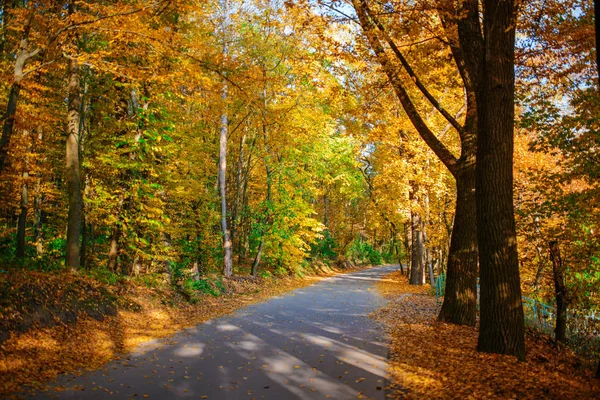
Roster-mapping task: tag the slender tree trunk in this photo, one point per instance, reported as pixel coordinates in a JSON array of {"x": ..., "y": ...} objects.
[
  {"x": 22, "y": 224},
  {"x": 502, "y": 322},
  {"x": 37, "y": 204},
  {"x": 541, "y": 267},
  {"x": 460, "y": 299},
  {"x": 227, "y": 253},
  {"x": 560, "y": 290},
  {"x": 72, "y": 169},
  {"x": 269, "y": 180},
  {"x": 22, "y": 221},
  {"x": 416, "y": 265},
  {"x": 430, "y": 266},
  {"x": 37, "y": 207},
  {"x": 597, "y": 30},
  {"x": 113, "y": 253}
]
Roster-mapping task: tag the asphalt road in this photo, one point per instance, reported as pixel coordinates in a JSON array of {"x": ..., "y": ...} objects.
[{"x": 313, "y": 343}]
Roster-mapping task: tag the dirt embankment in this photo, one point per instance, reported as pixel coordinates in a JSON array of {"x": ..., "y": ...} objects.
[{"x": 53, "y": 323}]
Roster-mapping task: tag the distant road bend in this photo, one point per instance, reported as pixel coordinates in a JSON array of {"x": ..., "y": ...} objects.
[{"x": 313, "y": 343}]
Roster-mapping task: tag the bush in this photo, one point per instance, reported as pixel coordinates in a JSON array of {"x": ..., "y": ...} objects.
[
  {"x": 324, "y": 248},
  {"x": 214, "y": 287},
  {"x": 361, "y": 252}
]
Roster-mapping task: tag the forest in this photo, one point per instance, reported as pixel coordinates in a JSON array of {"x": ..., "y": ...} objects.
[{"x": 194, "y": 145}]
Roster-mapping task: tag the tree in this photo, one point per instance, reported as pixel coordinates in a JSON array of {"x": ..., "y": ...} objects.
[
  {"x": 72, "y": 174},
  {"x": 502, "y": 322},
  {"x": 227, "y": 256},
  {"x": 460, "y": 301}
]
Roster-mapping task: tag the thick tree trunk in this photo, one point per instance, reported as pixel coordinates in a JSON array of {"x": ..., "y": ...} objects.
[
  {"x": 502, "y": 322},
  {"x": 72, "y": 169},
  {"x": 460, "y": 299},
  {"x": 560, "y": 290}
]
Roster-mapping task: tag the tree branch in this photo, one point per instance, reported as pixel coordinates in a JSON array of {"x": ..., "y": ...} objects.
[
  {"x": 411, "y": 72},
  {"x": 426, "y": 134}
]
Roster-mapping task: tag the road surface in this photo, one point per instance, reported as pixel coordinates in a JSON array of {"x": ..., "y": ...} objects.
[{"x": 313, "y": 343}]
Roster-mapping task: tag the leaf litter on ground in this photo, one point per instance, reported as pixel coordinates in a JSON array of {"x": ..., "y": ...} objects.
[{"x": 434, "y": 360}]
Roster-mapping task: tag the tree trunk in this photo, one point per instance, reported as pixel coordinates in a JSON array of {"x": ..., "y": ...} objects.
[
  {"x": 541, "y": 267},
  {"x": 269, "y": 179},
  {"x": 460, "y": 299},
  {"x": 18, "y": 74},
  {"x": 560, "y": 290},
  {"x": 113, "y": 253},
  {"x": 597, "y": 30},
  {"x": 227, "y": 251},
  {"x": 8, "y": 123},
  {"x": 460, "y": 24},
  {"x": 416, "y": 265},
  {"x": 22, "y": 222},
  {"x": 502, "y": 322},
  {"x": 37, "y": 204},
  {"x": 72, "y": 169}
]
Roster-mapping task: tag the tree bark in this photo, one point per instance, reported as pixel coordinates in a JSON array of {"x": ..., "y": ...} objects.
[
  {"x": 266, "y": 219},
  {"x": 502, "y": 322},
  {"x": 18, "y": 74},
  {"x": 227, "y": 251},
  {"x": 113, "y": 253},
  {"x": 560, "y": 290},
  {"x": 22, "y": 221},
  {"x": 72, "y": 169},
  {"x": 597, "y": 30},
  {"x": 460, "y": 299},
  {"x": 22, "y": 224},
  {"x": 416, "y": 265}
]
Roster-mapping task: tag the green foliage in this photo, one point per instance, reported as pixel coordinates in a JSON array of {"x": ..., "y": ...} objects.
[
  {"x": 361, "y": 252},
  {"x": 213, "y": 287},
  {"x": 105, "y": 275},
  {"x": 325, "y": 247}
]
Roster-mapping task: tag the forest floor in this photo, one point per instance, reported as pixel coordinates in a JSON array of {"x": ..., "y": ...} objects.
[
  {"x": 47, "y": 326},
  {"x": 433, "y": 360}
]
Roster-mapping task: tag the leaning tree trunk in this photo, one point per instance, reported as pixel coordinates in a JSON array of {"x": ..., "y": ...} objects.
[
  {"x": 560, "y": 290},
  {"x": 72, "y": 169},
  {"x": 22, "y": 57},
  {"x": 502, "y": 321},
  {"x": 460, "y": 299}
]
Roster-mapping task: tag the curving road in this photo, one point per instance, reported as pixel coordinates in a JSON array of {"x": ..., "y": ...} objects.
[{"x": 313, "y": 343}]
